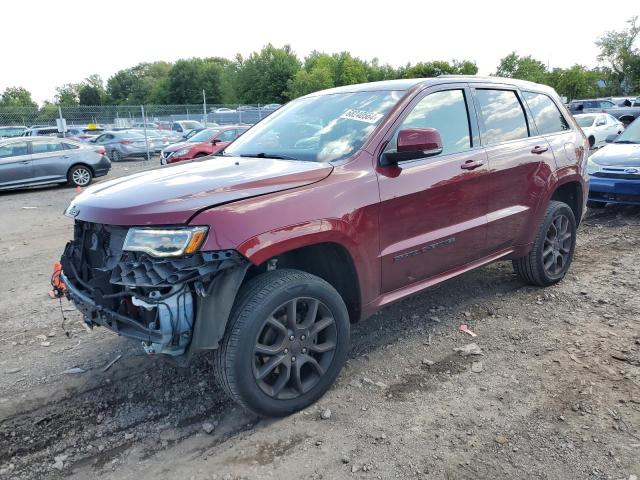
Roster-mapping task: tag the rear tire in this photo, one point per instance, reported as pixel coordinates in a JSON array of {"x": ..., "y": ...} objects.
[
  {"x": 553, "y": 248},
  {"x": 79, "y": 176},
  {"x": 592, "y": 141},
  {"x": 116, "y": 156},
  {"x": 285, "y": 344}
]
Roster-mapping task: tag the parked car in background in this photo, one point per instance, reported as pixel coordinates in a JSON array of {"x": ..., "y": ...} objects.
[
  {"x": 625, "y": 114},
  {"x": 83, "y": 134},
  {"x": 41, "y": 160},
  {"x": 152, "y": 125},
  {"x": 598, "y": 126},
  {"x": 10, "y": 131},
  {"x": 267, "y": 254},
  {"x": 614, "y": 170},
  {"x": 157, "y": 138},
  {"x": 206, "y": 142},
  {"x": 185, "y": 126},
  {"x": 44, "y": 131},
  {"x": 224, "y": 110},
  {"x": 120, "y": 144},
  {"x": 589, "y": 105},
  {"x": 270, "y": 107},
  {"x": 622, "y": 101}
]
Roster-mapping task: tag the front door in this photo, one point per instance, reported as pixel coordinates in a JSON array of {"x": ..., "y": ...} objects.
[{"x": 433, "y": 210}]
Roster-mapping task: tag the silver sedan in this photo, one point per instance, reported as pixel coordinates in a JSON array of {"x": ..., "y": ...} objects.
[{"x": 26, "y": 162}]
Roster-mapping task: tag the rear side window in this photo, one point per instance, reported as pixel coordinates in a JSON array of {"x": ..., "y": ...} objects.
[
  {"x": 70, "y": 146},
  {"x": 45, "y": 147},
  {"x": 546, "y": 114},
  {"x": 502, "y": 116},
  {"x": 447, "y": 112}
]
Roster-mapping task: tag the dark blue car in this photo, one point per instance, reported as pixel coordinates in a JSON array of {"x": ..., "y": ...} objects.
[{"x": 614, "y": 170}]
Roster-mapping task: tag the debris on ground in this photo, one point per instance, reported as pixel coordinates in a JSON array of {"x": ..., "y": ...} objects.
[
  {"x": 74, "y": 370},
  {"x": 326, "y": 414},
  {"x": 465, "y": 329},
  {"x": 111, "y": 363},
  {"x": 469, "y": 349}
]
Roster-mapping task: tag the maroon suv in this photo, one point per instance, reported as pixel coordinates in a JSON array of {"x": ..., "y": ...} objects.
[{"x": 334, "y": 206}]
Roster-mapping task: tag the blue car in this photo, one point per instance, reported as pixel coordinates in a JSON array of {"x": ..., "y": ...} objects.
[{"x": 614, "y": 170}]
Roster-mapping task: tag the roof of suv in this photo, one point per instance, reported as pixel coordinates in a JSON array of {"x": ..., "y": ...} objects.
[{"x": 409, "y": 83}]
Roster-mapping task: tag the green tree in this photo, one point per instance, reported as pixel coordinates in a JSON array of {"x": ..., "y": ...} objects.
[
  {"x": 91, "y": 91},
  {"x": 67, "y": 94},
  {"x": 575, "y": 82},
  {"x": 304, "y": 82},
  {"x": 440, "y": 67},
  {"x": 17, "y": 97},
  {"x": 523, "y": 68},
  {"x": 264, "y": 76},
  {"x": 188, "y": 78},
  {"x": 143, "y": 83},
  {"x": 617, "y": 48}
]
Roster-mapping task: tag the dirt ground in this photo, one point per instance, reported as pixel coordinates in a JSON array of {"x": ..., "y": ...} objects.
[{"x": 555, "y": 393}]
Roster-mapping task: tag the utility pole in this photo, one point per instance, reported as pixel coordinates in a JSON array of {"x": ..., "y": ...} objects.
[{"x": 204, "y": 107}]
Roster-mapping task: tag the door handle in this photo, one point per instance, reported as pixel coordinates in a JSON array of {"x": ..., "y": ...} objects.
[
  {"x": 538, "y": 149},
  {"x": 471, "y": 164},
  {"x": 25, "y": 162}
]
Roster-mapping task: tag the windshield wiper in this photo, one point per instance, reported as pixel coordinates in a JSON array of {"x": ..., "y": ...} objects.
[
  {"x": 269, "y": 155},
  {"x": 625, "y": 141}
]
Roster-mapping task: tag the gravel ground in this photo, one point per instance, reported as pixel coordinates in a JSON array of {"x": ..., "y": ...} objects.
[{"x": 555, "y": 392}]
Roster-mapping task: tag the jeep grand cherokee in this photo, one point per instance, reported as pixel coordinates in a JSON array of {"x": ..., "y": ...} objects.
[{"x": 334, "y": 206}]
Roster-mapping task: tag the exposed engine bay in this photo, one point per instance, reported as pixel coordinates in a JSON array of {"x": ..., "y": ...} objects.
[{"x": 155, "y": 300}]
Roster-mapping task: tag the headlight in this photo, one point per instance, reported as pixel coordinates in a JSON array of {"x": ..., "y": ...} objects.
[
  {"x": 592, "y": 167},
  {"x": 170, "y": 242},
  {"x": 182, "y": 152}
]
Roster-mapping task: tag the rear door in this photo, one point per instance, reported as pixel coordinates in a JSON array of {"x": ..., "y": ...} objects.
[
  {"x": 15, "y": 164},
  {"x": 433, "y": 210},
  {"x": 50, "y": 160},
  {"x": 520, "y": 162}
]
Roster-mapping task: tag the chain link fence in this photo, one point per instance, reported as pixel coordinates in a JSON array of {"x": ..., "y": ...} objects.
[{"x": 127, "y": 116}]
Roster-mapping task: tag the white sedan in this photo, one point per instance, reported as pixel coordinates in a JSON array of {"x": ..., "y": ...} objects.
[{"x": 598, "y": 126}]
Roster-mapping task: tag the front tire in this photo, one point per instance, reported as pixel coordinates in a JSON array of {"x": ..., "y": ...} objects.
[
  {"x": 553, "y": 248},
  {"x": 286, "y": 342},
  {"x": 592, "y": 141},
  {"x": 80, "y": 176}
]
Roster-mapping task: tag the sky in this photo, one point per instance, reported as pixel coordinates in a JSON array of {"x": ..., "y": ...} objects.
[{"x": 105, "y": 36}]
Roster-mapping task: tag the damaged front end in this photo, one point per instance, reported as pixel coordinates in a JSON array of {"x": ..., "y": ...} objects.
[{"x": 173, "y": 305}]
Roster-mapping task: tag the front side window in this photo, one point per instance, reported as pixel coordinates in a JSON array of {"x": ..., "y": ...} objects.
[
  {"x": 445, "y": 111},
  {"x": 502, "y": 115},
  {"x": 203, "y": 135},
  {"x": 320, "y": 128},
  {"x": 13, "y": 149},
  {"x": 546, "y": 114}
]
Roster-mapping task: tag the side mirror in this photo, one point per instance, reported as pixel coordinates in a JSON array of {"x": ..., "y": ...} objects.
[
  {"x": 611, "y": 138},
  {"x": 215, "y": 141},
  {"x": 600, "y": 123},
  {"x": 414, "y": 143}
]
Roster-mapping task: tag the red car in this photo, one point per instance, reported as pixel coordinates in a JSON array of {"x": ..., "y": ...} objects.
[
  {"x": 206, "y": 142},
  {"x": 337, "y": 204}
]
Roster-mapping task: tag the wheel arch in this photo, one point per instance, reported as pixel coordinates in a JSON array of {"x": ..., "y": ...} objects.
[
  {"x": 328, "y": 260},
  {"x": 570, "y": 192},
  {"x": 77, "y": 164}
]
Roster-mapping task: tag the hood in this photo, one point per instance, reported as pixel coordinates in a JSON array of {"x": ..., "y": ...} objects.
[
  {"x": 618, "y": 154},
  {"x": 174, "y": 147},
  {"x": 172, "y": 195}
]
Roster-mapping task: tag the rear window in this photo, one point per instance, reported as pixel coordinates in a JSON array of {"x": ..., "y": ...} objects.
[
  {"x": 546, "y": 114},
  {"x": 585, "y": 121},
  {"x": 502, "y": 116}
]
